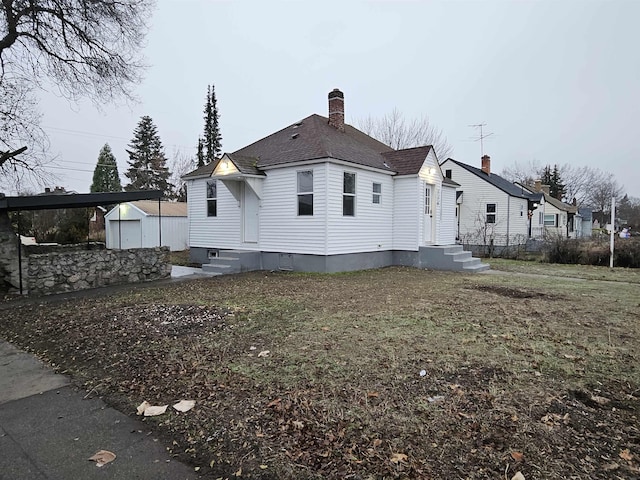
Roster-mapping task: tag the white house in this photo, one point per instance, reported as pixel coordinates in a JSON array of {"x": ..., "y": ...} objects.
[
  {"x": 320, "y": 195},
  {"x": 147, "y": 223},
  {"x": 554, "y": 217},
  {"x": 493, "y": 213}
]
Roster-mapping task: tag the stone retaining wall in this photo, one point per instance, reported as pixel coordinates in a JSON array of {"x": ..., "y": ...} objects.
[{"x": 67, "y": 271}]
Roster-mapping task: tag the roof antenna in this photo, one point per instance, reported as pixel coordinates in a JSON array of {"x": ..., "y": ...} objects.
[{"x": 481, "y": 137}]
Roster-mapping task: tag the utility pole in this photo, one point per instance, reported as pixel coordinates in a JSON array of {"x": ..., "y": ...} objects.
[
  {"x": 481, "y": 137},
  {"x": 613, "y": 228}
]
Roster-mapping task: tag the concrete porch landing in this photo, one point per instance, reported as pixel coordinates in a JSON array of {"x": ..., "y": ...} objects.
[{"x": 451, "y": 258}]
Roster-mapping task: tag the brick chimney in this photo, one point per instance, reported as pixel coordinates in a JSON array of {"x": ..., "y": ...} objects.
[
  {"x": 336, "y": 109},
  {"x": 538, "y": 185},
  {"x": 486, "y": 164},
  {"x": 546, "y": 189}
]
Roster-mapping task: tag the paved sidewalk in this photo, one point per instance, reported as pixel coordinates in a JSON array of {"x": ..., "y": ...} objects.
[{"x": 48, "y": 430}]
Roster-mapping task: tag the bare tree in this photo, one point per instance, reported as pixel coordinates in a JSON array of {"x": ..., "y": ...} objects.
[
  {"x": 601, "y": 191},
  {"x": 87, "y": 48},
  {"x": 181, "y": 164},
  {"x": 397, "y": 132},
  {"x": 525, "y": 173},
  {"x": 587, "y": 185}
]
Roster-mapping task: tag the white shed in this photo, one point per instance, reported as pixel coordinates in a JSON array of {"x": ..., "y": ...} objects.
[{"x": 147, "y": 223}]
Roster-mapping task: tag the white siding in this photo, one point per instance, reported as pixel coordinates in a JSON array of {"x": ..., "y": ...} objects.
[
  {"x": 370, "y": 229},
  {"x": 407, "y": 209},
  {"x": 281, "y": 229},
  {"x": 147, "y": 228},
  {"x": 222, "y": 231},
  {"x": 477, "y": 194},
  {"x": 561, "y": 218},
  {"x": 175, "y": 232},
  {"x": 447, "y": 217}
]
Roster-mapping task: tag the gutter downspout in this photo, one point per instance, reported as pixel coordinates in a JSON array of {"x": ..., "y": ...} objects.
[{"x": 508, "y": 216}]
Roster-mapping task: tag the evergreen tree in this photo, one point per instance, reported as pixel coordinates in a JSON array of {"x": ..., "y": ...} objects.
[
  {"x": 552, "y": 178},
  {"x": 105, "y": 175},
  {"x": 200, "y": 153},
  {"x": 212, "y": 135},
  {"x": 147, "y": 161},
  {"x": 557, "y": 187}
]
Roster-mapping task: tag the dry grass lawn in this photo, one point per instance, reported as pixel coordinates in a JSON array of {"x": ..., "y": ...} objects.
[{"x": 392, "y": 373}]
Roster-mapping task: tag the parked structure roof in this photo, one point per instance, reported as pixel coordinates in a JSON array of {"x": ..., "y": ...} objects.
[
  {"x": 167, "y": 209},
  {"x": 74, "y": 200}
]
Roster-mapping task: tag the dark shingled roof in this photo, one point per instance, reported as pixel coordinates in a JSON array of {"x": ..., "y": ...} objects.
[
  {"x": 312, "y": 138},
  {"x": 407, "y": 161},
  {"x": 205, "y": 170},
  {"x": 499, "y": 182},
  {"x": 247, "y": 165}
]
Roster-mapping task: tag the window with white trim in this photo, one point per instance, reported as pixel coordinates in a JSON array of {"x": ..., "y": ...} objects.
[
  {"x": 541, "y": 218},
  {"x": 305, "y": 193},
  {"x": 212, "y": 198},
  {"x": 377, "y": 193},
  {"x": 550, "y": 220},
  {"x": 349, "y": 194},
  {"x": 492, "y": 209}
]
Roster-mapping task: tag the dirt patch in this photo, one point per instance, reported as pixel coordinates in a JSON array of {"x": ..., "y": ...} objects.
[
  {"x": 393, "y": 373},
  {"x": 513, "y": 292}
]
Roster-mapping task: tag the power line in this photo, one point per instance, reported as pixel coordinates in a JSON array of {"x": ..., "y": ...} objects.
[{"x": 81, "y": 133}]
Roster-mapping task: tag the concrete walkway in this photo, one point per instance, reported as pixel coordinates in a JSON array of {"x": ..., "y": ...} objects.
[{"x": 48, "y": 430}]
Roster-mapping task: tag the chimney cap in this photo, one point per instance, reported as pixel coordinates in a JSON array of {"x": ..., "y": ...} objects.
[{"x": 336, "y": 93}]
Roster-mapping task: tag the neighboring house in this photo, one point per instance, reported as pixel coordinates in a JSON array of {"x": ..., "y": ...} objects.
[
  {"x": 586, "y": 225},
  {"x": 554, "y": 217},
  {"x": 493, "y": 213},
  {"x": 97, "y": 225},
  {"x": 146, "y": 223},
  {"x": 320, "y": 195}
]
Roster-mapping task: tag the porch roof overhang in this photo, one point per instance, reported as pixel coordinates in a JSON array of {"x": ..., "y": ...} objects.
[{"x": 74, "y": 200}]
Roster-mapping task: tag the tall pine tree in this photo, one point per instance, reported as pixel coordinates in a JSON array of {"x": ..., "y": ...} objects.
[
  {"x": 105, "y": 175},
  {"x": 147, "y": 161},
  {"x": 212, "y": 136},
  {"x": 552, "y": 178},
  {"x": 200, "y": 153}
]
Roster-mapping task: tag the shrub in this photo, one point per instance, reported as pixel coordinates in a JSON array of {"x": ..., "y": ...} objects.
[{"x": 593, "y": 251}]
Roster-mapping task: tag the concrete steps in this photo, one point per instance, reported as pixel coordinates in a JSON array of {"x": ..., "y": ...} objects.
[
  {"x": 450, "y": 257},
  {"x": 232, "y": 261}
]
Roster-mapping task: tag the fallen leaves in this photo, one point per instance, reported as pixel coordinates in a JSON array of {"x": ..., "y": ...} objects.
[
  {"x": 398, "y": 458},
  {"x": 517, "y": 456},
  {"x": 626, "y": 455},
  {"x": 264, "y": 353},
  {"x": 102, "y": 457}
]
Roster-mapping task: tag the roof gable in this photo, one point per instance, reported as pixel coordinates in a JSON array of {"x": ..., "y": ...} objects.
[{"x": 408, "y": 161}]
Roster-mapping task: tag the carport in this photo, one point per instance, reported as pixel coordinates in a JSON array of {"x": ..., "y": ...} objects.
[{"x": 75, "y": 200}]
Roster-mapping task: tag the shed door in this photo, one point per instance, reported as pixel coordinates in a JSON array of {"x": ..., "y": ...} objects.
[
  {"x": 250, "y": 206},
  {"x": 126, "y": 234}
]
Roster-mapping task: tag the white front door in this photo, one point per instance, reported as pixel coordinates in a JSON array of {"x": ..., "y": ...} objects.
[
  {"x": 428, "y": 214},
  {"x": 250, "y": 206}
]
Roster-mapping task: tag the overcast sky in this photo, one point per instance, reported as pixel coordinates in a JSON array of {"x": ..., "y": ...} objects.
[{"x": 555, "y": 81}]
